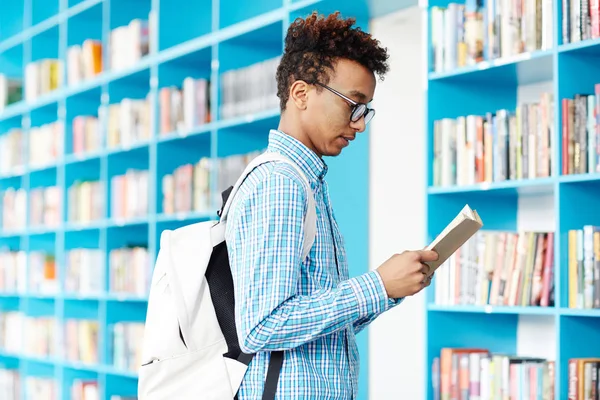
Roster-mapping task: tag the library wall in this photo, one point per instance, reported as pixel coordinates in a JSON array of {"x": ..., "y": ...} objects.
[{"x": 397, "y": 209}]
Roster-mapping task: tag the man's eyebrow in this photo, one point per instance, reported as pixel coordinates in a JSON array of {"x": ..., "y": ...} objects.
[{"x": 360, "y": 95}]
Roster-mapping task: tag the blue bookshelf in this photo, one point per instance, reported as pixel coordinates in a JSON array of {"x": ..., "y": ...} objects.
[
  {"x": 497, "y": 80},
  {"x": 205, "y": 42}
]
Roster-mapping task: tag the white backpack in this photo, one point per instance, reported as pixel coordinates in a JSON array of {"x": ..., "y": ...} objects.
[{"x": 190, "y": 346}]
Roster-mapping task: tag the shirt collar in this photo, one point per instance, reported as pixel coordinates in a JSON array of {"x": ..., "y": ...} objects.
[{"x": 308, "y": 160}]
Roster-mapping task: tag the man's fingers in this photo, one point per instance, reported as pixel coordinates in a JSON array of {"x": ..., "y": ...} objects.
[{"x": 428, "y": 255}]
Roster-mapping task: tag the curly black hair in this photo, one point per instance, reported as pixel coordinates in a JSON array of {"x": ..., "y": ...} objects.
[{"x": 313, "y": 44}]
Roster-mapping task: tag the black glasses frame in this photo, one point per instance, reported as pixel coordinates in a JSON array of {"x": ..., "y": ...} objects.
[{"x": 359, "y": 110}]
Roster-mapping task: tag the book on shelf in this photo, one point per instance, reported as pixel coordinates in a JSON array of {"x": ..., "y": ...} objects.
[
  {"x": 128, "y": 122},
  {"x": 129, "y": 195},
  {"x": 494, "y": 147},
  {"x": 187, "y": 188},
  {"x": 10, "y": 384},
  {"x": 580, "y": 20},
  {"x": 464, "y": 225},
  {"x": 42, "y": 77},
  {"x": 126, "y": 345},
  {"x": 41, "y": 388},
  {"x": 13, "y": 271},
  {"x": 184, "y": 108},
  {"x": 84, "y": 272},
  {"x": 584, "y": 378},
  {"x": 129, "y": 43},
  {"x": 12, "y": 152},
  {"x": 42, "y": 273},
  {"x": 466, "y": 34},
  {"x": 499, "y": 268},
  {"x": 87, "y": 135},
  {"x": 14, "y": 209},
  {"x": 580, "y": 134},
  {"x": 85, "y": 201},
  {"x": 45, "y": 144},
  {"x": 462, "y": 373},
  {"x": 81, "y": 341},
  {"x": 84, "y": 61},
  {"x": 85, "y": 389},
  {"x": 583, "y": 255},
  {"x": 11, "y": 91},
  {"x": 45, "y": 207},
  {"x": 249, "y": 89},
  {"x": 129, "y": 271}
]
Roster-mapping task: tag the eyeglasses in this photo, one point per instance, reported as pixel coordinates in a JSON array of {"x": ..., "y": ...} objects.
[{"x": 359, "y": 110}]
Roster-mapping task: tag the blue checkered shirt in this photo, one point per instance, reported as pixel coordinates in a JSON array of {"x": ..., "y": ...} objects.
[{"x": 309, "y": 308}]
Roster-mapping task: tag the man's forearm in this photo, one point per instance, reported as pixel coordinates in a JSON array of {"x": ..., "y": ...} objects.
[{"x": 303, "y": 318}]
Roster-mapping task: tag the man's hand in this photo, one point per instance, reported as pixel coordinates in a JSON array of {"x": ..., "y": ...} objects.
[{"x": 406, "y": 274}]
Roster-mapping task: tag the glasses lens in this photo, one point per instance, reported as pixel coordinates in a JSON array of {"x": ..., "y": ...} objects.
[
  {"x": 369, "y": 116},
  {"x": 358, "y": 112}
]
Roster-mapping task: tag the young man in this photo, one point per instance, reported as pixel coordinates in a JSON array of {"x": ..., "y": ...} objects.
[{"x": 309, "y": 310}]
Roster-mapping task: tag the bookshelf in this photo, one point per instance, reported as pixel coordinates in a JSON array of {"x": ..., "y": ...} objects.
[
  {"x": 519, "y": 143},
  {"x": 119, "y": 119}
]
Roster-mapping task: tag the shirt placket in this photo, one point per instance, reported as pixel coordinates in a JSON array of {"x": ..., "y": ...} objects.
[{"x": 329, "y": 211}]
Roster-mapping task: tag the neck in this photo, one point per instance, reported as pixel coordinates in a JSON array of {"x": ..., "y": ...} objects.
[{"x": 290, "y": 125}]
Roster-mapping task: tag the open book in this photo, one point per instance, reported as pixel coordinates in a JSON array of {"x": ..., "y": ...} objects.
[{"x": 462, "y": 227}]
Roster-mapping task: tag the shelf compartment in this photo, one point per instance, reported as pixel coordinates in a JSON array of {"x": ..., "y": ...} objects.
[
  {"x": 183, "y": 167},
  {"x": 84, "y": 53},
  {"x": 11, "y": 21},
  {"x": 41, "y": 10},
  {"x": 184, "y": 100},
  {"x": 578, "y": 339},
  {"x": 196, "y": 21},
  {"x": 247, "y": 68},
  {"x": 232, "y": 12}
]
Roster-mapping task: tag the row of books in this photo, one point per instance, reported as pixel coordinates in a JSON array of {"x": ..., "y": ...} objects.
[
  {"x": 85, "y": 202},
  {"x": 126, "y": 345},
  {"x": 128, "y": 122},
  {"x": 19, "y": 276},
  {"x": 465, "y": 34},
  {"x": 22, "y": 334},
  {"x": 583, "y": 254},
  {"x": 45, "y": 207},
  {"x": 584, "y": 378},
  {"x": 14, "y": 209},
  {"x": 580, "y": 20},
  {"x": 499, "y": 268},
  {"x": 129, "y": 43},
  {"x": 81, "y": 341},
  {"x": 185, "y": 107},
  {"x": 129, "y": 271},
  {"x": 84, "y": 61},
  {"x": 463, "y": 373},
  {"x": 46, "y": 388},
  {"x": 129, "y": 195},
  {"x": 12, "y": 152},
  {"x": 249, "y": 89},
  {"x": 40, "y": 146},
  {"x": 87, "y": 136},
  {"x": 188, "y": 188},
  {"x": 84, "y": 271},
  {"x": 42, "y": 77},
  {"x": 581, "y": 133},
  {"x": 496, "y": 147}
]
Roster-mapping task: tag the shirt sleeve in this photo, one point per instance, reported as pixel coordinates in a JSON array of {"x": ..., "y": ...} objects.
[
  {"x": 365, "y": 321},
  {"x": 265, "y": 249}
]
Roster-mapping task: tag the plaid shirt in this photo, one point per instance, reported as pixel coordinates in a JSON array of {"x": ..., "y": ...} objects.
[{"x": 309, "y": 308}]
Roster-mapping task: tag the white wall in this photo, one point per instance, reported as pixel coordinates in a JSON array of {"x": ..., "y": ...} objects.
[{"x": 397, "y": 208}]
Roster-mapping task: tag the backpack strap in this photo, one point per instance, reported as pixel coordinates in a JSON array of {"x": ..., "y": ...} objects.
[{"x": 310, "y": 219}]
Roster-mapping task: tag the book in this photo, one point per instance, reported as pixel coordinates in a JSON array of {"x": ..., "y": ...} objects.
[{"x": 454, "y": 235}]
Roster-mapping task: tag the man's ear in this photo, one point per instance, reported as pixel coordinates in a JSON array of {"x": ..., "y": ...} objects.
[{"x": 299, "y": 94}]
